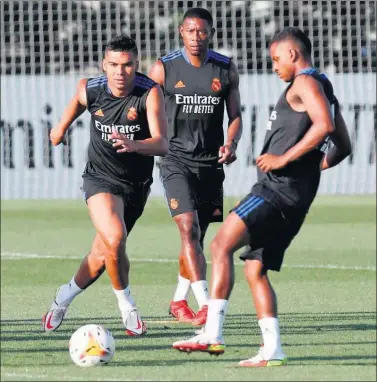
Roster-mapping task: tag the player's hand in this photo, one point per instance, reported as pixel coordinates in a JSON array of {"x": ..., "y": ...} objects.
[
  {"x": 227, "y": 154},
  {"x": 121, "y": 141},
  {"x": 57, "y": 136},
  {"x": 268, "y": 162}
]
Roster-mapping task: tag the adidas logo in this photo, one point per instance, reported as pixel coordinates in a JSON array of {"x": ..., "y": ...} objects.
[
  {"x": 217, "y": 212},
  {"x": 179, "y": 84},
  {"x": 99, "y": 112}
]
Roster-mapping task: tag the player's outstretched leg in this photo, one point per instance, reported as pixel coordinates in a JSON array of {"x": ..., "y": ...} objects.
[
  {"x": 91, "y": 268},
  {"x": 231, "y": 236},
  {"x": 107, "y": 214}
]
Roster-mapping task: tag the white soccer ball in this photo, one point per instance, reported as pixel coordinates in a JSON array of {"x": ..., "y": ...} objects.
[{"x": 91, "y": 345}]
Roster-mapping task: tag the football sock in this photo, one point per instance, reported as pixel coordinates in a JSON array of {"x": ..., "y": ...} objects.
[
  {"x": 200, "y": 289},
  {"x": 183, "y": 288},
  {"x": 125, "y": 300},
  {"x": 217, "y": 309},
  {"x": 67, "y": 293},
  {"x": 271, "y": 336}
]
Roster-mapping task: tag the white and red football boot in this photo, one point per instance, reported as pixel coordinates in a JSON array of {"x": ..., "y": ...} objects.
[
  {"x": 134, "y": 325},
  {"x": 55, "y": 316}
]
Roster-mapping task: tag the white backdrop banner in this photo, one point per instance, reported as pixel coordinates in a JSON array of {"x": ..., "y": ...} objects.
[{"x": 31, "y": 168}]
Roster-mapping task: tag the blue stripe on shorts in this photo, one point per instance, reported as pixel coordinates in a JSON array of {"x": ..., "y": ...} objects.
[{"x": 248, "y": 205}]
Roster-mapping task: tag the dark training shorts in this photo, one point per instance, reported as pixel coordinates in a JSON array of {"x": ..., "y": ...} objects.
[
  {"x": 270, "y": 232},
  {"x": 134, "y": 195},
  {"x": 199, "y": 189}
]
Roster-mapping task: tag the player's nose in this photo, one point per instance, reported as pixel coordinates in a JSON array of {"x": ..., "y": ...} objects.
[{"x": 195, "y": 36}]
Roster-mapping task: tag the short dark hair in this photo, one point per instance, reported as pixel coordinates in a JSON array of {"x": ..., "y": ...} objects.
[
  {"x": 122, "y": 43},
  {"x": 199, "y": 13},
  {"x": 297, "y": 35}
]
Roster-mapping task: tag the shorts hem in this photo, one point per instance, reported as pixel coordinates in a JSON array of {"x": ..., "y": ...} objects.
[
  {"x": 174, "y": 213},
  {"x": 255, "y": 255}
]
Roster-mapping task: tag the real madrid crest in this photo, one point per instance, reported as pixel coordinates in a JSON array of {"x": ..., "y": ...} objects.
[
  {"x": 131, "y": 114},
  {"x": 173, "y": 204},
  {"x": 216, "y": 85}
]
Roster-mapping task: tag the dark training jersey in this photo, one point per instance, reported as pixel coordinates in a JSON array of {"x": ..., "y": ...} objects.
[
  {"x": 128, "y": 115},
  {"x": 194, "y": 99},
  {"x": 293, "y": 187}
]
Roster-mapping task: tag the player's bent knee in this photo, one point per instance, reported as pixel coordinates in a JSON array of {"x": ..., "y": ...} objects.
[
  {"x": 114, "y": 242},
  {"x": 98, "y": 255},
  {"x": 218, "y": 247},
  {"x": 253, "y": 270},
  {"x": 189, "y": 231},
  {"x": 215, "y": 246}
]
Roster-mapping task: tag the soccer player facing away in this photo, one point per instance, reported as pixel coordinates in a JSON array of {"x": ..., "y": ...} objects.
[
  {"x": 197, "y": 83},
  {"x": 305, "y": 117},
  {"x": 128, "y": 127}
]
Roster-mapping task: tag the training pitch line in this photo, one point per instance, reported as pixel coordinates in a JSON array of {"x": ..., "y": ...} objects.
[{"x": 41, "y": 256}]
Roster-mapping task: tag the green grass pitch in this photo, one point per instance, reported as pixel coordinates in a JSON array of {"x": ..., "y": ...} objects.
[{"x": 326, "y": 291}]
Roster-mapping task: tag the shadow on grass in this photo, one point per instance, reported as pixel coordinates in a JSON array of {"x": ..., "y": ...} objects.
[
  {"x": 15, "y": 333},
  {"x": 229, "y": 362},
  {"x": 290, "y": 323},
  {"x": 304, "y": 316}
]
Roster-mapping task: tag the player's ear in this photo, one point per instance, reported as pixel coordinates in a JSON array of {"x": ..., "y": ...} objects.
[
  {"x": 293, "y": 54},
  {"x": 104, "y": 64},
  {"x": 137, "y": 65},
  {"x": 181, "y": 30}
]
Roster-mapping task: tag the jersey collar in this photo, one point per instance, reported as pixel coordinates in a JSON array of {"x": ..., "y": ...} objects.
[
  {"x": 184, "y": 54},
  {"x": 309, "y": 70}
]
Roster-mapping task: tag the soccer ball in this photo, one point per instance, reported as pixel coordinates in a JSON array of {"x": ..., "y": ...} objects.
[{"x": 91, "y": 345}]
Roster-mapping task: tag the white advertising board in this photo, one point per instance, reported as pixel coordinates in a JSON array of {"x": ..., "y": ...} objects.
[{"x": 32, "y": 169}]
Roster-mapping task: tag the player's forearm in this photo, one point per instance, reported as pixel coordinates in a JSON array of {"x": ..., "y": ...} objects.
[
  {"x": 234, "y": 130},
  {"x": 152, "y": 146},
  {"x": 70, "y": 114},
  {"x": 334, "y": 157},
  {"x": 311, "y": 140}
]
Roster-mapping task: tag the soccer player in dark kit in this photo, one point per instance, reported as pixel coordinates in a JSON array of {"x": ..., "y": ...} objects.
[
  {"x": 305, "y": 118},
  {"x": 197, "y": 83},
  {"x": 128, "y": 127}
]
